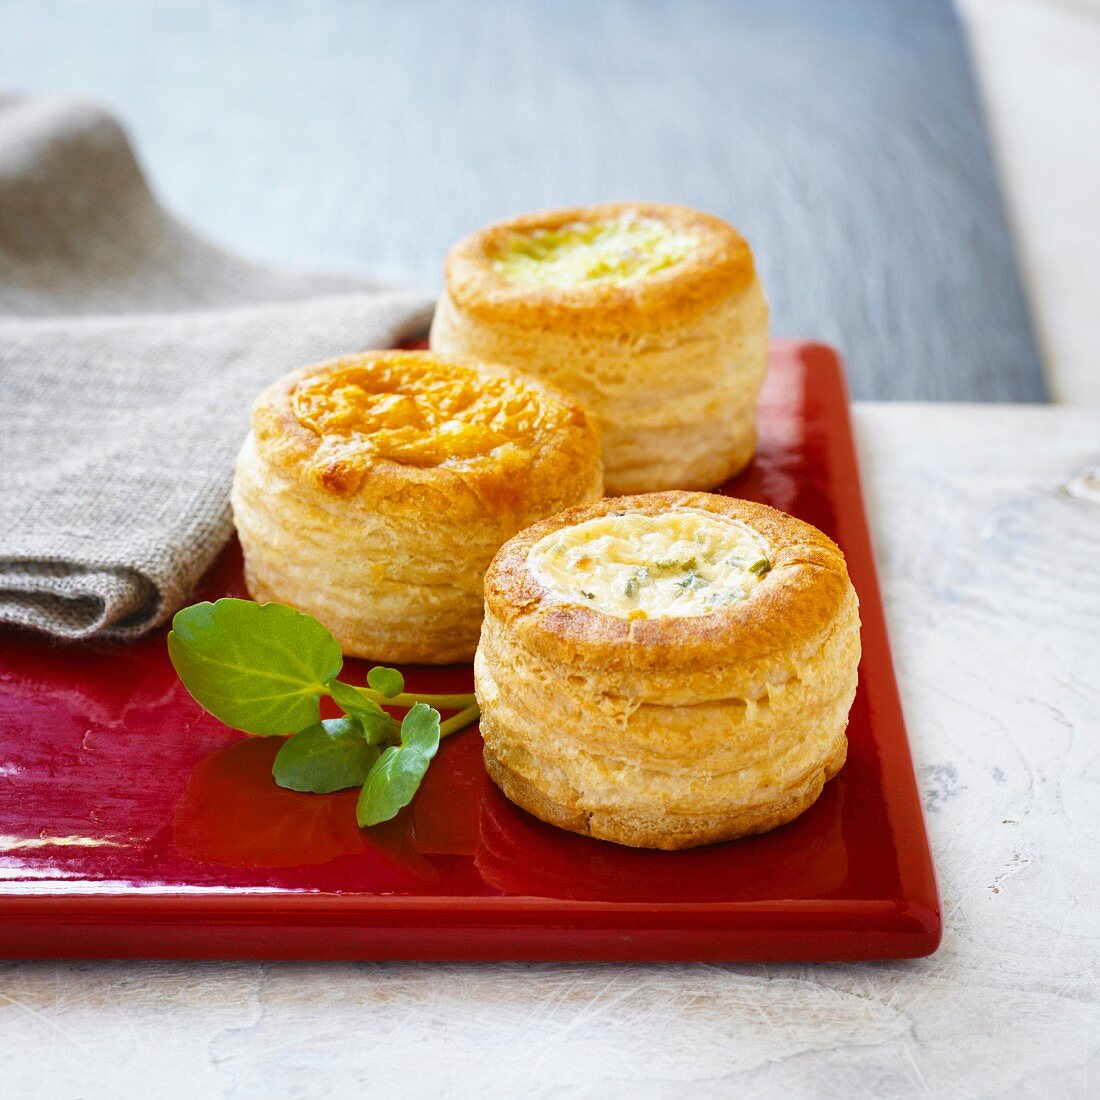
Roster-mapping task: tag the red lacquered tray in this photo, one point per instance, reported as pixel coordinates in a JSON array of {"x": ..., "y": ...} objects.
[{"x": 133, "y": 825}]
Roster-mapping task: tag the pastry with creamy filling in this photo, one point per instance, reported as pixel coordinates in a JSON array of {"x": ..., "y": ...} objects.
[
  {"x": 667, "y": 670},
  {"x": 651, "y": 315},
  {"x": 373, "y": 491}
]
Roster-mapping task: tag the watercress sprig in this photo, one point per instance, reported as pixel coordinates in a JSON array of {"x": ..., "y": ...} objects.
[{"x": 263, "y": 669}]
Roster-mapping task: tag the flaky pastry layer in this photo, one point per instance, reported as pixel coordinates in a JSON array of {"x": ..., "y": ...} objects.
[
  {"x": 670, "y": 363},
  {"x": 671, "y": 732},
  {"x": 373, "y": 491}
]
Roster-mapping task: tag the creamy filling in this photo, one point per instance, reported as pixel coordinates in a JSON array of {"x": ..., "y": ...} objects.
[
  {"x": 636, "y": 566},
  {"x": 611, "y": 250}
]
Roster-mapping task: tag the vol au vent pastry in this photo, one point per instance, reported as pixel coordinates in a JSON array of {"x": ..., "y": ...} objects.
[
  {"x": 667, "y": 670},
  {"x": 373, "y": 491},
  {"x": 652, "y": 315}
]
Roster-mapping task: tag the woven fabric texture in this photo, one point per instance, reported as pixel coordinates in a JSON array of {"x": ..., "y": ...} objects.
[{"x": 130, "y": 352}]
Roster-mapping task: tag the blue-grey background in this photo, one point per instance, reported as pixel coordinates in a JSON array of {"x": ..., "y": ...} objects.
[{"x": 843, "y": 137}]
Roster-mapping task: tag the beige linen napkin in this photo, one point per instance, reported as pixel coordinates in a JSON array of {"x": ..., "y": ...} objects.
[{"x": 130, "y": 352}]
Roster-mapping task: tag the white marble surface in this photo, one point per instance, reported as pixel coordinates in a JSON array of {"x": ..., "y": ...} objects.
[{"x": 988, "y": 530}]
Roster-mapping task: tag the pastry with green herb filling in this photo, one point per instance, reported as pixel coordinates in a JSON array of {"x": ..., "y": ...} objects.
[
  {"x": 652, "y": 315},
  {"x": 667, "y": 670}
]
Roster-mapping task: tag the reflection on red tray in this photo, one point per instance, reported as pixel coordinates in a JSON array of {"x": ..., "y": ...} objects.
[{"x": 133, "y": 824}]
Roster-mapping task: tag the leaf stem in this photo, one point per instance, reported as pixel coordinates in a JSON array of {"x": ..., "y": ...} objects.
[
  {"x": 407, "y": 698},
  {"x": 460, "y": 720}
]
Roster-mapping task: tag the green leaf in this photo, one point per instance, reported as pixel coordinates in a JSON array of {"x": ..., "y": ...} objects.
[
  {"x": 420, "y": 729},
  {"x": 378, "y": 726},
  {"x": 390, "y": 787},
  {"x": 397, "y": 773},
  {"x": 386, "y": 681},
  {"x": 260, "y": 668},
  {"x": 351, "y": 699},
  {"x": 328, "y": 756}
]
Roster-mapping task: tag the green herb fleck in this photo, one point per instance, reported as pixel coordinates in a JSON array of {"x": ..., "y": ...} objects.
[
  {"x": 692, "y": 582},
  {"x": 760, "y": 567},
  {"x": 719, "y": 599},
  {"x": 634, "y": 584},
  {"x": 674, "y": 565}
]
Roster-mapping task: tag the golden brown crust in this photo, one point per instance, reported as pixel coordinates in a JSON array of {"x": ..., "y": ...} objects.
[
  {"x": 391, "y": 554},
  {"x": 502, "y": 479},
  {"x": 669, "y": 362},
  {"x": 794, "y": 604},
  {"x": 670, "y": 731},
  {"x": 719, "y": 267}
]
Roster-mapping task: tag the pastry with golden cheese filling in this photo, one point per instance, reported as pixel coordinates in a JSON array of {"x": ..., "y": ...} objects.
[
  {"x": 373, "y": 491},
  {"x": 667, "y": 670},
  {"x": 651, "y": 315}
]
